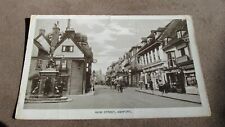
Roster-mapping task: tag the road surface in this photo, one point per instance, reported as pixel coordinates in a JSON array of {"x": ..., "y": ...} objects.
[{"x": 104, "y": 97}]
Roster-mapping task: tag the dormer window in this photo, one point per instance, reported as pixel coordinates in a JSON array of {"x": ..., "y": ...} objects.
[
  {"x": 167, "y": 40},
  {"x": 157, "y": 34},
  {"x": 67, "y": 48},
  {"x": 180, "y": 33}
]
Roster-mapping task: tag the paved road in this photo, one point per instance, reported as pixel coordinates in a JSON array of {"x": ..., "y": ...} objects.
[{"x": 105, "y": 97}]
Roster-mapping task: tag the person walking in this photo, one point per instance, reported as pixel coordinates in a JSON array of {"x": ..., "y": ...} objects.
[
  {"x": 150, "y": 84},
  {"x": 167, "y": 87},
  {"x": 161, "y": 86},
  {"x": 122, "y": 83}
]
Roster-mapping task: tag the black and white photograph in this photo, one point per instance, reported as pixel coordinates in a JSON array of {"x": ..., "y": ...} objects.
[{"x": 111, "y": 67}]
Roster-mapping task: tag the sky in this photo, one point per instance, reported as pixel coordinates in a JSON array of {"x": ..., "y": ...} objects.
[{"x": 109, "y": 38}]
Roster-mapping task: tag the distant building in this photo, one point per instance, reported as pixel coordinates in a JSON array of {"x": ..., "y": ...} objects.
[
  {"x": 132, "y": 66},
  {"x": 72, "y": 57}
]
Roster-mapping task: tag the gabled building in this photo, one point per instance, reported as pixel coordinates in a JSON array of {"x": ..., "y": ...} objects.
[
  {"x": 151, "y": 57},
  {"x": 69, "y": 54},
  {"x": 179, "y": 70}
]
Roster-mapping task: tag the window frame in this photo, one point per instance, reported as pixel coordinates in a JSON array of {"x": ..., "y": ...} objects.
[{"x": 66, "y": 46}]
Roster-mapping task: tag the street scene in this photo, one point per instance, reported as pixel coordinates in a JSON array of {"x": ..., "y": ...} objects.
[
  {"x": 111, "y": 63},
  {"x": 111, "y": 98}
]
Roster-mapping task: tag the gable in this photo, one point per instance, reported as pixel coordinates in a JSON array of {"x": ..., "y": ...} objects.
[{"x": 64, "y": 50}]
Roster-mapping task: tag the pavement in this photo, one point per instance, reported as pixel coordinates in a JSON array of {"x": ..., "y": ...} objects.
[
  {"x": 107, "y": 98},
  {"x": 177, "y": 96}
]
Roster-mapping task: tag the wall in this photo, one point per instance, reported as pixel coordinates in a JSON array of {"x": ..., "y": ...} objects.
[{"x": 76, "y": 51}]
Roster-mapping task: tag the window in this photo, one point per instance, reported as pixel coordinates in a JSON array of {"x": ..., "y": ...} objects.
[
  {"x": 171, "y": 58},
  {"x": 182, "y": 52},
  {"x": 150, "y": 57},
  {"x": 180, "y": 34},
  {"x": 143, "y": 60},
  {"x": 67, "y": 48},
  {"x": 39, "y": 64},
  {"x": 167, "y": 40},
  {"x": 154, "y": 59},
  {"x": 158, "y": 54},
  {"x": 64, "y": 64}
]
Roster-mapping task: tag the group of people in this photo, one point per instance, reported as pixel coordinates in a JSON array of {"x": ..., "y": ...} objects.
[
  {"x": 117, "y": 84},
  {"x": 163, "y": 87}
]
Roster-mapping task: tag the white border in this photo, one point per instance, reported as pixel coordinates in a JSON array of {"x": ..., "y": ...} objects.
[{"x": 203, "y": 110}]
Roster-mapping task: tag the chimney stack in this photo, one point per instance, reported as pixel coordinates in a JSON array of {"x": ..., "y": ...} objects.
[
  {"x": 42, "y": 31},
  {"x": 68, "y": 24}
]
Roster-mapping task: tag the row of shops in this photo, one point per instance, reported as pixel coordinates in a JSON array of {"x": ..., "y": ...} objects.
[{"x": 163, "y": 56}]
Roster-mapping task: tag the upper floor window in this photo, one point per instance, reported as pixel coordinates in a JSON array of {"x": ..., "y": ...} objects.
[
  {"x": 157, "y": 34},
  {"x": 64, "y": 64},
  {"x": 39, "y": 64},
  {"x": 180, "y": 33},
  {"x": 182, "y": 51},
  {"x": 167, "y": 40},
  {"x": 171, "y": 58},
  {"x": 154, "y": 58},
  {"x": 150, "y": 57},
  {"x": 158, "y": 53},
  {"x": 67, "y": 48}
]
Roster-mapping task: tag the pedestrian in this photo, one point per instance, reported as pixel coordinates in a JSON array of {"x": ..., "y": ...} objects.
[
  {"x": 146, "y": 86},
  {"x": 150, "y": 84},
  {"x": 141, "y": 84},
  {"x": 167, "y": 87},
  {"x": 161, "y": 86},
  {"x": 121, "y": 85}
]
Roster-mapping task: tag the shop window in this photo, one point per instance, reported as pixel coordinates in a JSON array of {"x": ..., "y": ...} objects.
[
  {"x": 191, "y": 80},
  {"x": 67, "y": 48}
]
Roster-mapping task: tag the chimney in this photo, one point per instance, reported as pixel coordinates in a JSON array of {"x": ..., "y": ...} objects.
[
  {"x": 68, "y": 24},
  {"x": 42, "y": 31},
  {"x": 68, "y": 28},
  {"x": 55, "y": 34}
]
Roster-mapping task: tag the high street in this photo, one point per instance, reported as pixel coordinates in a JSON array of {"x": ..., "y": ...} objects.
[{"x": 105, "y": 97}]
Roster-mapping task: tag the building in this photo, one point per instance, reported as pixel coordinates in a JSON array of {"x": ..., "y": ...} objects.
[
  {"x": 68, "y": 54},
  {"x": 179, "y": 70},
  {"x": 132, "y": 66},
  {"x": 151, "y": 57}
]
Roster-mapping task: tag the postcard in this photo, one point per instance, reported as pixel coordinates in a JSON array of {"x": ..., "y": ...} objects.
[{"x": 111, "y": 67}]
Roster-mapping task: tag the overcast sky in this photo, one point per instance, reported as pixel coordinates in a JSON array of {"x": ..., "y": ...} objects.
[{"x": 109, "y": 38}]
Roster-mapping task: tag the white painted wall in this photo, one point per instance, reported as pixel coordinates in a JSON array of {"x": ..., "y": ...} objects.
[{"x": 76, "y": 51}]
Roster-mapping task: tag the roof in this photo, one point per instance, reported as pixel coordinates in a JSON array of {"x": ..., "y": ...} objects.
[
  {"x": 79, "y": 40},
  {"x": 172, "y": 27}
]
